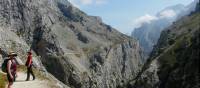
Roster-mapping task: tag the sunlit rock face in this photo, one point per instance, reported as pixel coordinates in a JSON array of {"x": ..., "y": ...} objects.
[{"x": 79, "y": 50}]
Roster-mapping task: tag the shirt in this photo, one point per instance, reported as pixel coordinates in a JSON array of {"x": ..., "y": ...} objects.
[{"x": 29, "y": 60}]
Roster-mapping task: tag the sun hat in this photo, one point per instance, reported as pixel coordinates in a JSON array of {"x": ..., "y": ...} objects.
[
  {"x": 12, "y": 53},
  {"x": 29, "y": 52}
]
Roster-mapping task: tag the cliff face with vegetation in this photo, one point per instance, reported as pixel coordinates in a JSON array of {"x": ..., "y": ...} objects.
[
  {"x": 174, "y": 62},
  {"x": 149, "y": 32},
  {"x": 79, "y": 50}
]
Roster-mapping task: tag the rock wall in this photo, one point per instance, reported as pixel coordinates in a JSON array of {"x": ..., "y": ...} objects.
[{"x": 79, "y": 50}]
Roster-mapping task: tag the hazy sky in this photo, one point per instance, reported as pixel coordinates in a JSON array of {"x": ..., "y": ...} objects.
[{"x": 122, "y": 14}]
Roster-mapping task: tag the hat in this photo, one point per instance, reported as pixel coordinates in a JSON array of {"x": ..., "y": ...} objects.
[
  {"x": 12, "y": 53},
  {"x": 29, "y": 52}
]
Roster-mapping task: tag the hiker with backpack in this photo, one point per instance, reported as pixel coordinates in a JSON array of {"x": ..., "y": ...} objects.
[
  {"x": 29, "y": 64},
  {"x": 11, "y": 68}
]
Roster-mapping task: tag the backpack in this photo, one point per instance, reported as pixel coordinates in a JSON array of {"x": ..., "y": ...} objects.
[{"x": 4, "y": 65}]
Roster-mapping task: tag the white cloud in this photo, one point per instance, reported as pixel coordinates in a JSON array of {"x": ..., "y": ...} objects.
[
  {"x": 100, "y": 2},
  {"x": 93, "y": 2},
  {"x": 167, "y": 14},
  {"x": 149, "y": 18},
  {"x": 75, "y": 3},
  {"x": 86, "y": 2},
  {"x": 79, "y": 3},
  {"x": 143, "y": 19}
]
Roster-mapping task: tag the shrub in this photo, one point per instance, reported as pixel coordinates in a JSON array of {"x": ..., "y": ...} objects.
[
  {"x": 171, "y": 41},
  {"x": 3, "y": 80}
]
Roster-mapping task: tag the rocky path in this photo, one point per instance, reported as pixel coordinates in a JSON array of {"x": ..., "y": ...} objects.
[{"x": 21, "y": 83}]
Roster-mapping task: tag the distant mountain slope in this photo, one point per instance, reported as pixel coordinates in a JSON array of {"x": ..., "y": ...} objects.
[
  {"x": 148, "y": 33},
  {"x": 174, "y": 62},
  {"x": 179, "y": 66},
  {"x": 188, "y": 9}
]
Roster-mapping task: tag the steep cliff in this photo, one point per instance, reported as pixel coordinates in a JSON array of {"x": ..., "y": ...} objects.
[
  {"x": 149, "y": 32},
  {"x": 174, "y": 62},
  {"x": 79, "y": 50}
]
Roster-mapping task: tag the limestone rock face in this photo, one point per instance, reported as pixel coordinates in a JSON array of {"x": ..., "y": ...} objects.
[
  {"x": 79, "y": 50},
  {"x": 11, "y": 42}
]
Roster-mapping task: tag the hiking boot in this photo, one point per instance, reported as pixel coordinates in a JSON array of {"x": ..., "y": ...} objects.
[
  {"x": 33, "y": 78},
  {"x": 27, "y": 79}
]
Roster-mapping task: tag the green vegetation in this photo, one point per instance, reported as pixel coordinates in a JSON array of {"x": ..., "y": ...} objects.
[
  {"x": 171, "y": 41},
  {"x": 89, "y": 50},
  {"x": 177, "y": 53},
  {"x": 179, "y": 43},
  {"x": 20, "y": 33},
  {"x": 194, "y": 22},
  {"x": 178, "y": 50},
  {"x": 3, "y": 80},
  {"x": 169, "y": 58}
]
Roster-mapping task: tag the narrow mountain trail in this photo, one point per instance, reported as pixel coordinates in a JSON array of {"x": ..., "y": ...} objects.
[{"x": 37, "y": 83}]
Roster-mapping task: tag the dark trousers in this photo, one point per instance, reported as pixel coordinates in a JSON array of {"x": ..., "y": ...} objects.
[
  {"x": 9, "y": 78},
  {"x": 30, "y": 71}
]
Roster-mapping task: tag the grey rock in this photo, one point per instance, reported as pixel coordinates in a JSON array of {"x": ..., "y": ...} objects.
[{"x": 79, "y": 50}]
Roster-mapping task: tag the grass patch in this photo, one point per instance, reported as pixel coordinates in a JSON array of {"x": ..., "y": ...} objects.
[
  {"x": 168, "y": 59},
  {"x": 3, "y": 80},
  {"x": 89, "y": 50}
]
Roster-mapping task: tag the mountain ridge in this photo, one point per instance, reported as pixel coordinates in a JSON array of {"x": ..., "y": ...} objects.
[
  {"x": 148, "y": 34},
  {"x": 174, "y": 62}
]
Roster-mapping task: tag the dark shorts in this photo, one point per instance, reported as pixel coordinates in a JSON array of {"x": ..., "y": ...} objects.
[{"x": 9, "y": 78}]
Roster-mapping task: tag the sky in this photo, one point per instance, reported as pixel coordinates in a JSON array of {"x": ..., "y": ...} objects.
[{"x": 124, "y": 14}]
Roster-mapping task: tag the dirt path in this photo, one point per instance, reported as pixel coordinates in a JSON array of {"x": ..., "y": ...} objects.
[{"x": 21, "y": 83}]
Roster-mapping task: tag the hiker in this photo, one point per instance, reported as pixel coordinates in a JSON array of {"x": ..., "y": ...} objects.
[
  {"x": 29, "y": 64},
  {"x": 11, "y": 68}
]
